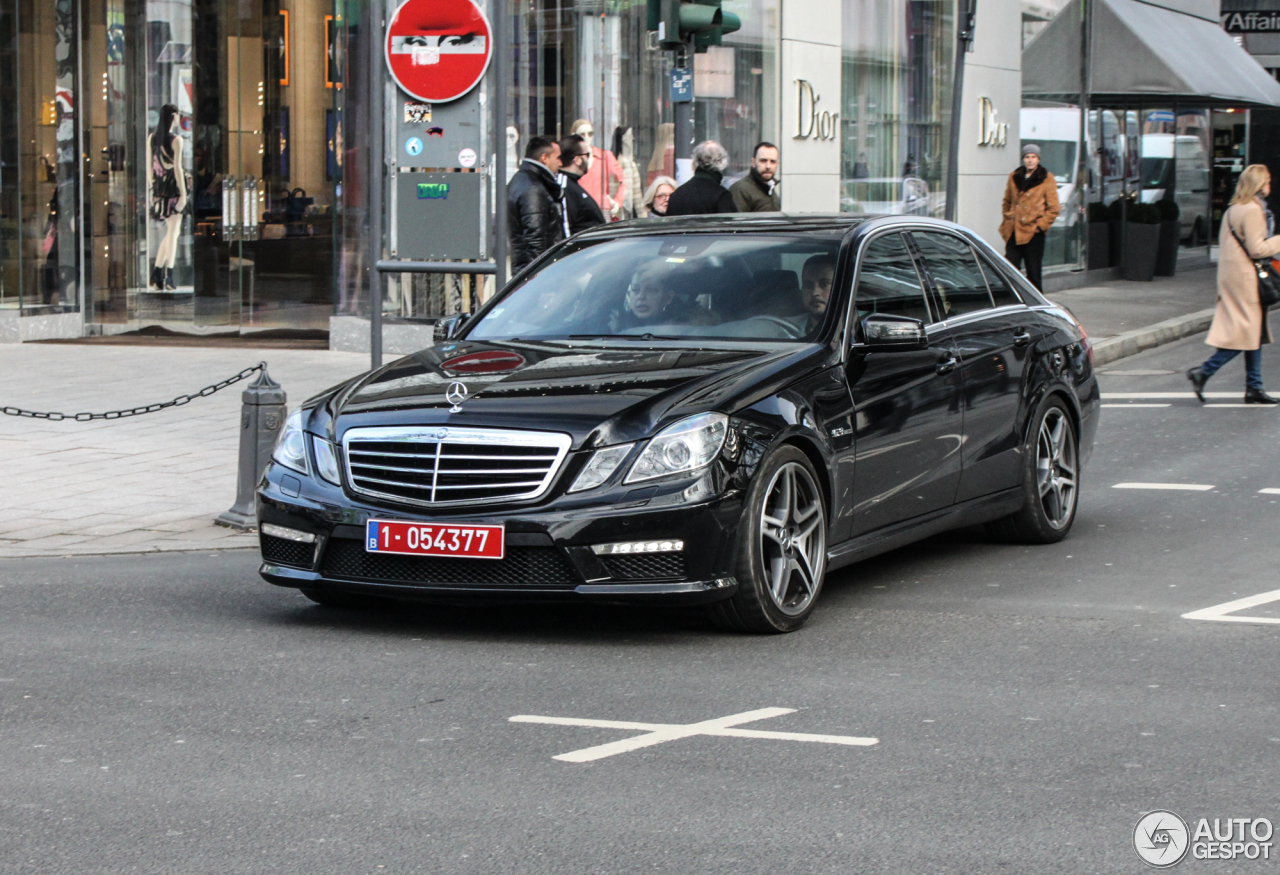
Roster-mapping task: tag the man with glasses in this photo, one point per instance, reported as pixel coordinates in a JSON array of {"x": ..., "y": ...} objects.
[{"x": 580, "y": 209}]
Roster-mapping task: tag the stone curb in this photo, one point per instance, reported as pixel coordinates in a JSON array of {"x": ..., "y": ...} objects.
[{"x": 1142, "y": 339}]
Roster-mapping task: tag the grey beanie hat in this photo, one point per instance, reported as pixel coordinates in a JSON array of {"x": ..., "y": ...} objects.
[{"x": 1031, "y": 149}]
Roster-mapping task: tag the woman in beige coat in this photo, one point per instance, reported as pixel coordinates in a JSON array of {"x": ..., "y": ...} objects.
[{"x": 1240, "y": 325}]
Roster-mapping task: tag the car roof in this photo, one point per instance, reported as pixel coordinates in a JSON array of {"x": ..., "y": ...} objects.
[{"x": 728, "y": 222}]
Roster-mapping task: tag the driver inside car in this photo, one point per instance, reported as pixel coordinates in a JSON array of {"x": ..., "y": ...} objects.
[{"x": 816, "y": 278}]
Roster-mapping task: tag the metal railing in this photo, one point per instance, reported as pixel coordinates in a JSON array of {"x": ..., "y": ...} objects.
[{"x": 482, "y": 268}]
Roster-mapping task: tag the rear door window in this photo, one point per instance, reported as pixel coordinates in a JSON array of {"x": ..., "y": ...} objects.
[
  {"x": 1001, "y": 292},
  {"x": 958, "y": 280},
  {"x": 888, "y": 281}
]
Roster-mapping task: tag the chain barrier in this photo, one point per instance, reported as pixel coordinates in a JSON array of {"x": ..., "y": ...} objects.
[{"x": 136, "y": 411}]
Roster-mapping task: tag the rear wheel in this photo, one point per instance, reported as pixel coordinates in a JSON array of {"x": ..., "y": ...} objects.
[
  {"x": 782, "y": 549},
  {"x": 1050, "y": 482}
]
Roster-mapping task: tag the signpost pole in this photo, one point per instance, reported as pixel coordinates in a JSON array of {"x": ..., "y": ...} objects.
[
  {"x": 377, "y": 172},
  {"x": 498, "y": 22},
  {"x": 684, "y": 128}
]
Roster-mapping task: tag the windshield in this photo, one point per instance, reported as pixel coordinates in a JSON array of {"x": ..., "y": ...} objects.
[{"x": 730, "y": 286}]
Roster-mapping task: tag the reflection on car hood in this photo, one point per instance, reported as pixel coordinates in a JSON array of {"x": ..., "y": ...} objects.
[{"x": 606, "y": 392}]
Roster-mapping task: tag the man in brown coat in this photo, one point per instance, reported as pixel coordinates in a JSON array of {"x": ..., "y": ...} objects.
[
  {"x": 1239, "y": 323},
  {"x": 1030, "y": 206}
]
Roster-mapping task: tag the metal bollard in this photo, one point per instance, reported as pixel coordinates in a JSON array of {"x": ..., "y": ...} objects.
[{"x": 261, "y": 416}]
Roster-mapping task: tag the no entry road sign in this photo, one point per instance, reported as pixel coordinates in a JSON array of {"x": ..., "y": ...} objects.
[{"x": 437, "y": 50}]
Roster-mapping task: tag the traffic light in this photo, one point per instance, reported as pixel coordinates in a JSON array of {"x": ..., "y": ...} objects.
[{"x": 702, "y": 20}]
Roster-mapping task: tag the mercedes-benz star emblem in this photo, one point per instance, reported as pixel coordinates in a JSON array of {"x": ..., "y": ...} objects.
[{"x": 455, "y": 395}]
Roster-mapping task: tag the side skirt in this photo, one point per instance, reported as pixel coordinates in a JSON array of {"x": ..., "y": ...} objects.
[{"x": 969, "y": 513}]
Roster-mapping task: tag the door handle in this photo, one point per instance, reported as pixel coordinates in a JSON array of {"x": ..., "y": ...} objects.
[
  {"x": 1021, "y": 340},
  {"x": 947, "y": 365}
]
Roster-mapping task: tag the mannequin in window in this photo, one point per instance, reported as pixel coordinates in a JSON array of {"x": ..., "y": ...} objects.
[
  {"x": 168, "y": 193},
  {"x": 624, "y": 147},
  {"x": 602, "y": 168}
]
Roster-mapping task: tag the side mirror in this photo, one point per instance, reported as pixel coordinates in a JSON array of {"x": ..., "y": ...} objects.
[
  {"x": 448, "y": 327},
  {"x": 883, "y": 331}
]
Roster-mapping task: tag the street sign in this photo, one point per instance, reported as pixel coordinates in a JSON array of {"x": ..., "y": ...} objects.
[
  {"x": 681, "y": 85},
  {"x": 438, "y": 50},
  {"x": 438, "y": 215}
]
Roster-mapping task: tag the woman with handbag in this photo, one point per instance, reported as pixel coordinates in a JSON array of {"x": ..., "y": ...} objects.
[{"x": 1240, "y": 324}]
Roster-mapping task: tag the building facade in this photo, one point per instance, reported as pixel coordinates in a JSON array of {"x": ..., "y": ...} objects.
[{"x": 227, "y": 166}]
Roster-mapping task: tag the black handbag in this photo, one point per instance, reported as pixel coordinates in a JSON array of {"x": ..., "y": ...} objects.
[{"x": 1268, "y": 282}]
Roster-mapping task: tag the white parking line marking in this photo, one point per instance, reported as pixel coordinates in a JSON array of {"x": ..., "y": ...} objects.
[
  {"x": 657, "y": 733},
  {"x": 1220, "y": 612},
  {"x": 1111, "y": 396},
  {"x": 1242, "y": 404},
  {"x": 1190, "y": 487},
  {"x": 1133, "y": 404}
]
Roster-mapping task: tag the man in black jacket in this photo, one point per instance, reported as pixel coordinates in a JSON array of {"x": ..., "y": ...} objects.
[
  {"x": 703, "y": 194},
  {"x": 535, "y": 211},
  {"x": 580, "y": 209}
]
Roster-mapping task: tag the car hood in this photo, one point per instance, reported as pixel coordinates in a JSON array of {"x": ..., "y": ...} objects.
[{"x": 600, "y": 394}]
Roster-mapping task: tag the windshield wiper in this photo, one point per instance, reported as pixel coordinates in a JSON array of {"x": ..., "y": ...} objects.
[{"x": 624, "y": 337}]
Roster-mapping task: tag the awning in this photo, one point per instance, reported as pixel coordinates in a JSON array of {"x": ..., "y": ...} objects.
[{"x": 1145, "y": 56}]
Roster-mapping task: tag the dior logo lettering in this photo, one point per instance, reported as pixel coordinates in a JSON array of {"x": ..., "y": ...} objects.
[
  {"x": 990, "y": 132},
  {"x": 810, "y": 122}
]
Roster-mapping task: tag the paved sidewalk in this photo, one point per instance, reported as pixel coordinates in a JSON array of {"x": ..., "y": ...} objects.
[
  {"x": 152, "y": 482},
  {"x": 1124, "y": 318}
]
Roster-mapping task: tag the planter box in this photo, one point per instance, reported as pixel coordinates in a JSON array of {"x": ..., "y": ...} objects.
[
  {"x": 1167, "y": 252},
  {"x": 1099, "y": 245},
  {"x": 1139, "y": 263},
  {"x": 1116, "y": 234}
]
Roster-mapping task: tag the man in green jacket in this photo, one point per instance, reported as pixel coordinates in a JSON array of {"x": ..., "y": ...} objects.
[{"x": 759, "y": 191}]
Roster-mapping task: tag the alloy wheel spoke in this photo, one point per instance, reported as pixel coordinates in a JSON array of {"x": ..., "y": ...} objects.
[
  {"x": 773, "y": 532},
  {"x": 778, "y": 578}
]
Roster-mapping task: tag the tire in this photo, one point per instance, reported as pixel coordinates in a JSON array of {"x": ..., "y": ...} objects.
[
  {"x": 1050, "y": 479},
  {"x": 782, "y": 550},
  {"x": 345, "y": 600}
]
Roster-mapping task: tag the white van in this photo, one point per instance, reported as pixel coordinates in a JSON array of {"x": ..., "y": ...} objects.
[{"x": 1177, "y": 167}]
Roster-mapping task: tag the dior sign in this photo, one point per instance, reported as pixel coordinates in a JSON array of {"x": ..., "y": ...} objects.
[
  {"x": 990, "y": 132},
  {"x": 810, "y": 123}
]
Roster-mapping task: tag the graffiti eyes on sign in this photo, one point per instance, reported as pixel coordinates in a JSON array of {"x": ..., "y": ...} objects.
[
  {"x": 427, "y": 49},
  {"x": 433, "y": 191}
]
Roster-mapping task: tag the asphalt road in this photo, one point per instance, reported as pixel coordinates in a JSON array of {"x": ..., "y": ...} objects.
[{"x": 172, "y": 713}]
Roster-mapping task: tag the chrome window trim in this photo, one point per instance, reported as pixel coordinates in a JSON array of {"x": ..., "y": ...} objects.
[{"x": 449, "y": 434}]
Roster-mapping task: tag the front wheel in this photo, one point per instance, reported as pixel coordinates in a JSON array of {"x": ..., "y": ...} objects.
[
  {"x": 1050, "y": 481},
  {"x": 782, "y": 549}
]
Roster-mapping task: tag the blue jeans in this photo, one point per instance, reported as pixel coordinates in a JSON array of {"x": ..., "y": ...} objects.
[{"x": 1252, "y": 365}]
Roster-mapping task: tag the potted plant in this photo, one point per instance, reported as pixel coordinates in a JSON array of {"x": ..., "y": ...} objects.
[
  {"x": 1142, "y": 241},
  {"x": 1170, "y": 235},
  {"x": 1099, "y": 236},
  {"x": 1116, "y": 211}
]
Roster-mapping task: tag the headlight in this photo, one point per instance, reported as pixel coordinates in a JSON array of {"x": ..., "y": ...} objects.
[
  {"x": 291, "y": 446},
  {"x": 686, "y": 446},
  {"x": 326, "y": 461},
  {"x": 600, "y": 467}
]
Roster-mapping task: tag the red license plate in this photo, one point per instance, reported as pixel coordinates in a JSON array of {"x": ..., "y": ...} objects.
[{"x": 434, "y": 539}]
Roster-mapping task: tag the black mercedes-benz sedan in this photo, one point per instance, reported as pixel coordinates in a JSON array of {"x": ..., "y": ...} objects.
[{"x": 714, "y": 410}]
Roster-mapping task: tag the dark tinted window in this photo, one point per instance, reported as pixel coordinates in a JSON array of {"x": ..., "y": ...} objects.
[
  {"x": 1001, "y": 291},
  {"x": 959, "y": 281},
  {"x": 888, "y": 282}
]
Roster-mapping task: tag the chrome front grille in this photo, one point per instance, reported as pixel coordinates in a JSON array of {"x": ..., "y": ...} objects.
[{"x": 445, "y": 466}]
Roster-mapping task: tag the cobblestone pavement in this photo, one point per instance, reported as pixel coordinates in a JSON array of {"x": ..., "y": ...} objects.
[{"x": 152, "y": 482}]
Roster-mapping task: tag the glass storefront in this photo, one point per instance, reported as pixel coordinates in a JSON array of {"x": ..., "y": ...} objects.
[
  {"x": 168, "y": 162},
  {"x": 896, "y": 90}
]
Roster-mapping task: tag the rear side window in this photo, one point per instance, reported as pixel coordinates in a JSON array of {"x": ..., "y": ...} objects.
[
  {"x": 888, "y": 282},
  {"x": 1001, "y": 292},
  {"x": 959, "y": 282}
]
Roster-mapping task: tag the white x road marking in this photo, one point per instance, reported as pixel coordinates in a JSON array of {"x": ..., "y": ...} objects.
[
  {"x": 1222, "y": 613},
  {"x": 657, "y": 733}
]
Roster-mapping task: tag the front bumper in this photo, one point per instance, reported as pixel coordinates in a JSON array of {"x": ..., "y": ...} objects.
[{"x": 549, "y": 555}]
